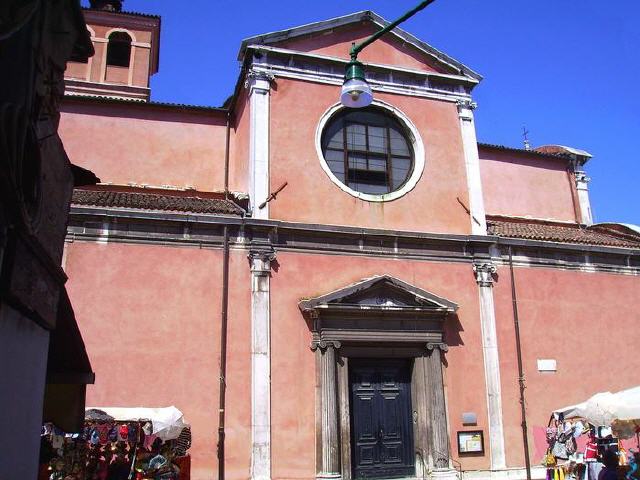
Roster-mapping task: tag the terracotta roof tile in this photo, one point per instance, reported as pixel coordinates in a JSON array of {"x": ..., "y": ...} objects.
[
  {"x": 522, "y": 150},
  {"x": 549, "y": 231},
  {"x": 163, "y": 200},
  {"x": 123, "y": 12}
]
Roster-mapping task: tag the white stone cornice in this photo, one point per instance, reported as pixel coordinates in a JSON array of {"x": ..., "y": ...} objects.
[
  {"x": 381, "y": 78},
  {"x": 342, "y": 62}
]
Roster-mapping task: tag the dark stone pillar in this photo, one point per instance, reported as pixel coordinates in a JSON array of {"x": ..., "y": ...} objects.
[
  {"x": 330, "y": 459},
  {"x": 437, "y": 413}
]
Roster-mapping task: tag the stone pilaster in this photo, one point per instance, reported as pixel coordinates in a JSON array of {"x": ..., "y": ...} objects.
[
  {"x": 437, "y": 411},
  {"x": 330, "y": 460},
  {"x": 472, "y": 165},
  {"x": 260, "y": 263},
  {"x": 259, "y": 85},
  {"x": 582, "y": 186},
  {"x": 485, "y": 272}
]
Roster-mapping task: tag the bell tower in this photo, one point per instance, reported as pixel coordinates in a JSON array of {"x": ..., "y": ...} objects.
[{"x": 126, "y": 53}]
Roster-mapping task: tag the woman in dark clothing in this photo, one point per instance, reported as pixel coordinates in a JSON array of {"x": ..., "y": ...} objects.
[{"x": 610, "y": 470}]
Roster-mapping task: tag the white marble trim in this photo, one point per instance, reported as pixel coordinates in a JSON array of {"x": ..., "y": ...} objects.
[{"x": 416, "y": 142}]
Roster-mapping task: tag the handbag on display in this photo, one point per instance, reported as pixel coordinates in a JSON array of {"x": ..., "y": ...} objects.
[
  {"x": 571, "y": 445},
  {"x": 559, "y": 448}
]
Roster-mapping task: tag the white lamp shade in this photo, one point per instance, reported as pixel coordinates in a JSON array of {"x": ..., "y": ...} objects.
[{"x": 356, "y": 93}]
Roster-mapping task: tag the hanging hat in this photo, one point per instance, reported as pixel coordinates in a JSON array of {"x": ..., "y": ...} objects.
[
  {"x": 133, "y": 433},
  {"x": 98, "y": 415},
  {"x": 123, "y": 432}
]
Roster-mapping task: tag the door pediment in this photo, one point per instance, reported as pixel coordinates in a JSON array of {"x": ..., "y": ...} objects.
[
  {"x": 380, "y": 294},
  {"x": 380, "y": 309}
]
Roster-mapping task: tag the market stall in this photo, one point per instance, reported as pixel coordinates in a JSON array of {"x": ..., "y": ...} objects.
[
  {"x": 119, "y": 444},
  {"x": 603, "y": 424}
]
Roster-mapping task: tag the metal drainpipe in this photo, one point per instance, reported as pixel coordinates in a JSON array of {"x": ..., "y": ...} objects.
[
  {"x": 521, "y": 380},
  {"x": 223, "y": 317}
]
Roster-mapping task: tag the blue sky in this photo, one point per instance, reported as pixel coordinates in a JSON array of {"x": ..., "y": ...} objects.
[{"x": 567, "y": 69}]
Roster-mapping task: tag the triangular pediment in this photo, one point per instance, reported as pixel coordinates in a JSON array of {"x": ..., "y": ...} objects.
[
  {"x": 380, "y": 293},
  {"x": 294, "y": 38}
]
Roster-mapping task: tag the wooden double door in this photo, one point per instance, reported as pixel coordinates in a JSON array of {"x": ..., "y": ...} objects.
[{"x": 381, "y": 418}]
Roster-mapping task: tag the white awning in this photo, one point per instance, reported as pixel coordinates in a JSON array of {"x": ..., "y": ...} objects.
[
  {"x": 606, "y": 408},
  {"x": 167, "y": 422}
]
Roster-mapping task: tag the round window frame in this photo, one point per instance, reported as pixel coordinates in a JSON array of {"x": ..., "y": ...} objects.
[{"x": 414, "y": 138}]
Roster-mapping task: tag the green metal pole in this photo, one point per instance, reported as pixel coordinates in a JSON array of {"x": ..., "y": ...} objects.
[{"x": 356, "y": 49}]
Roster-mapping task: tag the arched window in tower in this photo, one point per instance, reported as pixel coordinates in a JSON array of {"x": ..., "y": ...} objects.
[{"x": 119, "y": 49}]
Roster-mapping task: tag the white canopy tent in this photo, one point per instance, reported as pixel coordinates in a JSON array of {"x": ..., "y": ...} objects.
[
  {"x": 167, "y": 422},
  {"x": 619, "y": 410}
]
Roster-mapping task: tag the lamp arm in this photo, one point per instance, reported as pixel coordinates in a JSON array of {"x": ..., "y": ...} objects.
[{"x": 356, "y": 49}]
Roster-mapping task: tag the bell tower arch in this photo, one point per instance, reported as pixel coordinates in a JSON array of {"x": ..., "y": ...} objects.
[{"x": 126, "y": 53}]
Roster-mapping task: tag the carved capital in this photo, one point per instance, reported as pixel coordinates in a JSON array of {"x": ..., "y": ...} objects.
[
  {"x": 484, "y": 273},
  {"x": 260, "y": 260},
  {"x": 258, "y": 80},
  {"x": 581, "y": 178},
  {"x": 466, "y": 104},
  {"x": 443, "y": 347},
  {"x": 324, "y": 344}
]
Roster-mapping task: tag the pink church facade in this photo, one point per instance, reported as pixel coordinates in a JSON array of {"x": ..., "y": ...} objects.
[{"x": 364, "y": 314}]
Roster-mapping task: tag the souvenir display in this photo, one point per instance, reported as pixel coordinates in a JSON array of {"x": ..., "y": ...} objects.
[
  {"x": 108, "y": 449},
  {"x": 634, "y": 461},
  {"x": 564, "y": 462}
]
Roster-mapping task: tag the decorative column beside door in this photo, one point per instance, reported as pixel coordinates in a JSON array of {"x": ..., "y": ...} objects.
[
  {"x": 437, "y": 411},
  {"x": 330, "y": 461}
]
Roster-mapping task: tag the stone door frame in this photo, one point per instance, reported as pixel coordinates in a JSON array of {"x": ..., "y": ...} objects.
[{"x": 377, "y": 318}]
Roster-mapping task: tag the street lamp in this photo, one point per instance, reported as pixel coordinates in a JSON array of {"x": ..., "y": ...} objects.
[{"x": 356, "y": 92}]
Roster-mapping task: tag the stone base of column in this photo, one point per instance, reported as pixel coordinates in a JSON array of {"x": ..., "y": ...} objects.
[
  {"x": 260, "y": 477},
  {"x": 444, "y": 474},
  {"x": 328, "y": 476},
  {"x": 514, "y": 473}
]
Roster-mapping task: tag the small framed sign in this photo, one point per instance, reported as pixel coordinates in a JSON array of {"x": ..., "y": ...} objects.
[{"x": 471, "y": 441}]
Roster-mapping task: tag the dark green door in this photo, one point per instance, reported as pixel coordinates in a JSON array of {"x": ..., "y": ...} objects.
[{"x": 381, "y": 430}]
